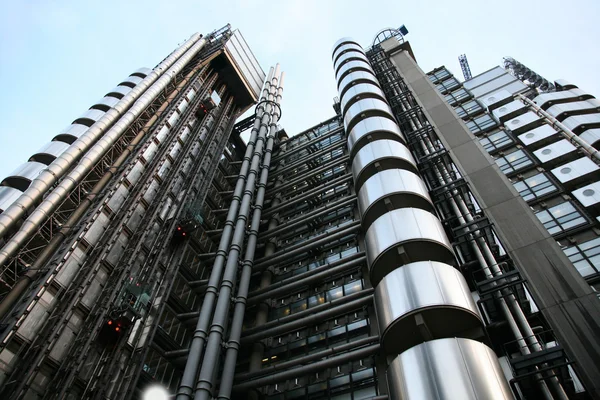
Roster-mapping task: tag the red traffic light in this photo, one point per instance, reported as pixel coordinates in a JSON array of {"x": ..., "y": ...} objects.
[{"x": 109, "y": 322}]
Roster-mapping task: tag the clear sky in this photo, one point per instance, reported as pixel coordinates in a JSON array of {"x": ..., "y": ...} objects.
[{"x": 58, "y": 57}]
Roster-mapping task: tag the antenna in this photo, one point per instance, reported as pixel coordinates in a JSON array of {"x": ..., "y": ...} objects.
[{"x": 464, "y": 65}]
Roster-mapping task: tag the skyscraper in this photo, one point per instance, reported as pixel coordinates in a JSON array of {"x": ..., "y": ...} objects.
[{"x": 397, "y": 250}]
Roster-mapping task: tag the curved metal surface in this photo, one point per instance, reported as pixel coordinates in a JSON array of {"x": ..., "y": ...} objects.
[
  {"x": 404, "y": 236},
  {"x": 22, "y": 176},
  {"x": 562, "y": 110},
  {"x": 563, "y": 84},
  {"x": 142, "y": 71},
  {"x": 131, "y": 81},
  {"x": 351, "y": 55},
  {"x": 355, "y": 78},
  {"x": 71, "y": 133},
  {"x": 350, "y": 66},
  {"x": 341, "y": 41},
  {"x": 545, "y": 100},
  {"x": 360, "y": 91},
  {"x": 592, "y": 136},
  {"x": 365, "y": 108},
  {"x": 49, "y": 152},
  {"x": 389, "y": 190},
  {"x": 106, "y": 103},
  {"x": 378, "y": 156},
  {"x": 372, "y": 129},
  {"x": 119, "y": 92},
  {"x": 423, "y": 301},
  {"x": 89, "y": 117},
  {"x": 448, "y": 369},
  {"x": 580, "y": 123},
  {"x": 7, "y": 196},
  {"x": 94, "y": 143},
  {"x": 345, "y": 48}
]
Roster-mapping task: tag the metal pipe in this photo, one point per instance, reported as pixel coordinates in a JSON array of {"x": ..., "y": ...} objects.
[
  {"x": 308, "y": 358},
  {"x": 588, "y": 149},
  {"x": 310, "y": 193},
  {"x": 312, "y": 315},
  {"x": 186, "y": 386},
  {"x": 233, "y": 342},
  {"x": 268, "y": 127},
  {"x": 282, "y": 156},
  {"x": 289, "y": 224},
  {"x": 316, "y": 275},
  {"x": 307, "y": 369},
  {"x": 304, "y": 160},
  {"x": 40, "y": 185}
]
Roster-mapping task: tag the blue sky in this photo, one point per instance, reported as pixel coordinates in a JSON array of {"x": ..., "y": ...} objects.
[{"x": 57, "y": 58}]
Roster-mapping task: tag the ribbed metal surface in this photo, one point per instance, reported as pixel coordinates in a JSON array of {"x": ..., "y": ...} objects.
[
  {"x": 345, "y": 48},
  {"x": 389, "y": 190},
  {"x": 365, "y": 108},
  {"x": 378, "y": 156},
  {"x": 447, "y": 369},
  {"x": 360, "y": 91},
  {"x": 354, "y": 65},
  {"x": 346, "y": 57},
  {"x": 372, "y": 129},
  {"x": 354, "y": 78},
  {"x": 403, "y": 236},
  {"x": 435, "y": 302}
]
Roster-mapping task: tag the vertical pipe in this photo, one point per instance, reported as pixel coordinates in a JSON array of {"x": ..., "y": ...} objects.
[
  {"x": 221, "y": 313},
  {"x": 186, "y": 386},
  {"x": 233, "y": 344}
]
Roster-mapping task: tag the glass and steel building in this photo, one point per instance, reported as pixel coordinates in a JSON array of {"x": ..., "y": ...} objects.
[{"x": 432, "y": 240}]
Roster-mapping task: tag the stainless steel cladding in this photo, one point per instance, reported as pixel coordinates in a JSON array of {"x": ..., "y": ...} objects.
[
  {"x": 366, "y": 108},
  {"x": 22, "y": 176},
  {"x": 420, "y": 298},
  {"x": 389, "y": 190},
  {"x": 424, "y": 311},
  {"x": 243, "y": 59},
  {"x": 373, "y": 129},
  {"x": 49, "y": 152},
  {"x": 380, "y": 155},
  {"x": 447, "y": 369},
  {"x": 403, "y": 236},
  {"x": 7, "y": 196}
]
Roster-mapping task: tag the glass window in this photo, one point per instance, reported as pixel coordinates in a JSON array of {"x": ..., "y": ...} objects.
[
  {"x": 469, "y": 108},
  {"x": 495, "y": 141},
  {"x": 457, "y": 96},
  {"x": 535, "y": 187},
  {"x": 514, "y": 161},
  {"x": 585, "y": 256},
  {"x": 481, "y": 123},
  {"x": 448, "y": 84},
  {"x": 561, "y": 217}
]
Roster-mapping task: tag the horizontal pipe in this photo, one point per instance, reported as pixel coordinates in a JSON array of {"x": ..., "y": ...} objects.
[
  {"x": 307, "y": 195},
  {"x": 317, "y": 275},
  {"x": 311, "y": 173},
  {"x": 309, "y": 316},
  {"x": 303, "y": 146},
  {"x": 308, "y": 358},
  {"x": 304, "y": 160},
  {"x": 310, "y": 368},
  {"x": 299, "y": 248},
  {"x": 292, "y": 223}
]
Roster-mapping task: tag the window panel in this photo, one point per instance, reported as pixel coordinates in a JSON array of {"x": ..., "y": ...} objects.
[
  {"x": 495, "y": 141},
  {"x": 514, "y": 161},
  {"x": 585, "y": 257},
  {"x": 561, "y": 217},
  {"x": 535, "y": 187}
]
